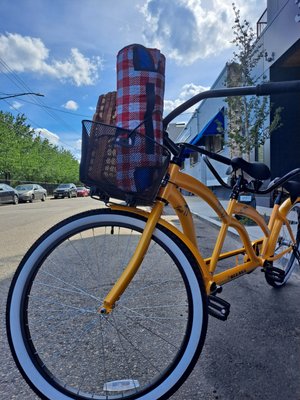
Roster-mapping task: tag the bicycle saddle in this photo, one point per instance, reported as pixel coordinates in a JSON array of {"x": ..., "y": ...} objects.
[
  {"x": 293, "y": 187},
  {"x": 256, "y": 170}
]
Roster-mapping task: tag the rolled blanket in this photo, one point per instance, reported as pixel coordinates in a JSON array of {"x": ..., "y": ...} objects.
[{"x": 140, "y": 93}]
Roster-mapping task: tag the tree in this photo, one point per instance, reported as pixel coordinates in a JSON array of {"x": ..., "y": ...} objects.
[
  {"x": 25, "y": 156},
  {"x": 248, "y": 127}
]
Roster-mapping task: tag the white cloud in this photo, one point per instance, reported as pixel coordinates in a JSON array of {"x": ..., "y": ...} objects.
[
  {"x": 29, "y": 54},
  {"x": 16, "y": 105},
  {"x": 78, "y": 144},
  {"x": 186, "y": 30},
  {"x": 188, "y": 90},
  {"x": 44, "y": 133},
  {"x": 70, "y": 105}
]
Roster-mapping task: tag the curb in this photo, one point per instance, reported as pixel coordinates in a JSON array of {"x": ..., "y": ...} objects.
[{"x": 216, "y": 224}]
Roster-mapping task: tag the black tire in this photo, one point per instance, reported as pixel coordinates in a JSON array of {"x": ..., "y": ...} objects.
[
  {"x": 16, "y": 199},
  {"x": 289, "y": 262},
  {"x": 43, "y": 197},
  {"x": 144, "y": 349}
]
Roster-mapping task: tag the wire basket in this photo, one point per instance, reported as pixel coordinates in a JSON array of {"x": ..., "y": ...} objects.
[{"x": 121, "y": 164}]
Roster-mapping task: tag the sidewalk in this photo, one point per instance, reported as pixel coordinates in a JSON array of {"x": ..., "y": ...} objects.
[{"x": 202, "y": 210}]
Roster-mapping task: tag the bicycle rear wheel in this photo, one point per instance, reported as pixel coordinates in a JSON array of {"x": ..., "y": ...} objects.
[
  {"x": 149, "y": 343},
  {"x": 285, "y": 266}
]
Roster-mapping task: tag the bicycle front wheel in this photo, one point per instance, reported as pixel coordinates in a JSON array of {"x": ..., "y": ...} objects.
[
  {"x": 285, "y": 265},
  {"x": 148, "y": 344}
]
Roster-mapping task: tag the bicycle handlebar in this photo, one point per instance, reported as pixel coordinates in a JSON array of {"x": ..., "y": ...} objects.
[
  {"x": 228, "y": 161},
  {"x": 278, "y": 182},
  {"x": 262, "y": 89}
]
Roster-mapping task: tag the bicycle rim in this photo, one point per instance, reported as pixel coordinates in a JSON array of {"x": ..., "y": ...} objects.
[
  {"x": 289, "y": 262},
  {"x": 144, "y": 349}
]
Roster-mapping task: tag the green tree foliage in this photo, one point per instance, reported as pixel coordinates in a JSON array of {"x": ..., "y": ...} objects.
[
  {"x": 248, "y": 117},
  {"x": 25, "y": 156}
]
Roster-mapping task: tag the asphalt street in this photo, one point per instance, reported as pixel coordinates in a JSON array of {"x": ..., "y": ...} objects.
[{"x": 255, "y": 354}]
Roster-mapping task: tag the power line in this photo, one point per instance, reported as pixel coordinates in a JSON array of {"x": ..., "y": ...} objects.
[
  {"x": 57, "y": 109},
  {"x": 37, "y": 128},
  {"x": 21, "y": 84},
  {"x": 8, "y": 96},
  {"x": 10, "y": 105}
]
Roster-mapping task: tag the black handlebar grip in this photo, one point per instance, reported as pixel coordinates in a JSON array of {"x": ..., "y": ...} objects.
[{"x": 278, "y": 87}]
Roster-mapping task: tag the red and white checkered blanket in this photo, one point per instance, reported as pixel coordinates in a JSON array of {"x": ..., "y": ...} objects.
[{"x": 140, "y": 93}]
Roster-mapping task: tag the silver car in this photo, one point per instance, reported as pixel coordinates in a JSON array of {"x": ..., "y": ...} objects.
[{"x": 30, "y": 192}]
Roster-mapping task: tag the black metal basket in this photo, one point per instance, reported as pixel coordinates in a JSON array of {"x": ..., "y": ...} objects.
[{"x": 122, "y": 164}]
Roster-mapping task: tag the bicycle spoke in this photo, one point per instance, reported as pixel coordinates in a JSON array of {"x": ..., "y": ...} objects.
[
  {"x": 77, "y": 292},
  {"x": 79, "y": 289},
  {"x": 82, "y": 259},
  {"x": 123, "y": 350},
  {"x": 133, "y": 345},
  {"x": 87, "y": 355},
  {"x": 49, "y": 302},
  {"x": 154, "y": 333}
]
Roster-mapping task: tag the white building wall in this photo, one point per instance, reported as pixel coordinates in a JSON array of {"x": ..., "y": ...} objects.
[
  {"x": 204, "y": 113},
  {"x": 281, "y": 32}
]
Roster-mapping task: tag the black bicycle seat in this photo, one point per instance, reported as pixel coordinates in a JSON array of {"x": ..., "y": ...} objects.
[
  {"x": 293, "y": 188},
  {"x": 256, "y": 170}
]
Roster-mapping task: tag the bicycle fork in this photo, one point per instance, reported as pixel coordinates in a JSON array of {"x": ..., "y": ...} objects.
[{"x": 134, "y": 263}]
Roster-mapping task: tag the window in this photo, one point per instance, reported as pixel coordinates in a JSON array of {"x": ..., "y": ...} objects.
[
  {"x": 194, "y": 158},
  {"x": 214, "y": 143}
]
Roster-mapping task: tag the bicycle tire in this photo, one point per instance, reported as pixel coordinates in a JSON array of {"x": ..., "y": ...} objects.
[
  {"x": 289, "y": 262},
  {"x": 57, "y": 337}
]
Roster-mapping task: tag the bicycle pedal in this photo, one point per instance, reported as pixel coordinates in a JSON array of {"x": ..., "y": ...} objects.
[
  {"x": 218, "y": 308},
  {"x": 274, "y": 273}
]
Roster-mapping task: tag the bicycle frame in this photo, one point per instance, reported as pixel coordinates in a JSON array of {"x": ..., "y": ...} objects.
[{"x": 255, "y": 253}]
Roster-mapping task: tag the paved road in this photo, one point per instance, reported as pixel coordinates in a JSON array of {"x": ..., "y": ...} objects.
[{"x": 253, "y": 355}]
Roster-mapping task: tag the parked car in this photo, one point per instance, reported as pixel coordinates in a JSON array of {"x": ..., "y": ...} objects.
[
  {"x": 65, "y": 190},
  {"x": 8, "y": 194},
  {"x": 30, "y": 192},
  {"x": 82, "y": 191}
]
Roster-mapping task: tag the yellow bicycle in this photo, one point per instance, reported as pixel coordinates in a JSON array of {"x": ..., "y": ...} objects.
[{"x": 113, "y": 303}]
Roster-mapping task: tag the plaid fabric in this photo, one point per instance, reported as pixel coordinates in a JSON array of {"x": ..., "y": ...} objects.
[{"x": 140, "y": 92}]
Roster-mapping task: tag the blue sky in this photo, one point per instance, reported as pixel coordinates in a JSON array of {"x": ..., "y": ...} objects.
[{"x": 66, "y": 50}]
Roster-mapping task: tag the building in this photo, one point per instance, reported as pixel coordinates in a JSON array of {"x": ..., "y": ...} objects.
[
  {"x": 281, "y": 42},
  {"x": 202, "y": 130},
  {"x": 278, "y": 33},
  {"x": 175, "y": 129}
]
